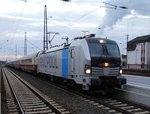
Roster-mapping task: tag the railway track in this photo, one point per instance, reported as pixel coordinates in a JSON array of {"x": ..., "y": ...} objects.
[
  {"x": 108, "y": 104},
  {"x": 137, "y": 72},
  {"x": 22, "y": 98},
  {"x": 117, "y": 106},
  {"x": 113, "y": 105}
]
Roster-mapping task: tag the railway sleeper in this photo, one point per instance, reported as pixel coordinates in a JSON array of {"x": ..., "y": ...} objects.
[
  {"x": 115, "y": 103},
  {"x": 30, "y": 102},
  {"x": 34, "y": 106},
  {"x": 23, "y": 98},
  {"x": 143, "y": 112},
  {"x": 112, "y": 111},
  {"x": 40, "y": 112},
  {"x": 37, "y": 109},
  {"x": 121, "y": 105},
  {"x": 62, "y": 109},
  {"x": 135, "y": 110},
  {"x": 109, "y": 101},
  {"x": 13, "y": 110},
  {"x": 127, "y": 107}
]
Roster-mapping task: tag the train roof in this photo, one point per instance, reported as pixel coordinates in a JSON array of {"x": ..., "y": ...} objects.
[
  {"x": 57, "y": 47},
  {"x": 30, "y": 56},
  {"x": 76, "y": 41},
  {"x": 92, "y": 38},
  {"x": 27, "y": 57},
  {"x": 98, "y": 39}
]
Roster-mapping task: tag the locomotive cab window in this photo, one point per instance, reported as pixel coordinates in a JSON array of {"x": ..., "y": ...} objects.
[
  {"x": 72, "y": 53},
  {"x": 112, "y": 50},
  {"x": 96, "y": 50},
  {"x": 103, "y": 49}
]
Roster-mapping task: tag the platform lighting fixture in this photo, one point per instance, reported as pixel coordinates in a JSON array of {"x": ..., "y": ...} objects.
[
  {"x": 123, "y": 7},
  {"x": 66, "y": 0},
  {"x": 108, "y": 5}
]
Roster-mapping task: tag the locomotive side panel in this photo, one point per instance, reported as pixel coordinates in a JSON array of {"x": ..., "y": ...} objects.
[
  {"x": 54, "y": 63},
  {"x": 65, "y": 63},
  {"x": 41, "y": 64},
  {"x": 75, "y": 62},
  {"x": 59, "y": 63},
  {"x": 80, "y": 58}
]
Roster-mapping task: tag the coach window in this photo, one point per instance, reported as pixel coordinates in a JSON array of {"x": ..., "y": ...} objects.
[
  {"x": 72, "y": 53},
  {"x": 56, "y": 60},
  {"x": 47, "y": 59},
  {"x": 50, "y": 61},
  {"x": 53, "y": 61},
  {"x": 42, "y": 61}
]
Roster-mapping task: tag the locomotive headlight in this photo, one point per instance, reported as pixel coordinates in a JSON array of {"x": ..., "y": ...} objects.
[
  {"x": 87, "y": 69},
  {"x": 101, "y": 41},
  {"x": 120, "y": 71},
  {"x": 106, "y": 64}
]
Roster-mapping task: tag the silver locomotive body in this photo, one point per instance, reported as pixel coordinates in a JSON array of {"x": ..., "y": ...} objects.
[{"x": 89, "y": 63}]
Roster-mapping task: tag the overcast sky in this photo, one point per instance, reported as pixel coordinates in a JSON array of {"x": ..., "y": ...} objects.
[{"x": 69, "y": 19}]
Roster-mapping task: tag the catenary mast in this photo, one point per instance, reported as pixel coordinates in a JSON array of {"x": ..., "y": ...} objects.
[{"x": 45, "y": 41}]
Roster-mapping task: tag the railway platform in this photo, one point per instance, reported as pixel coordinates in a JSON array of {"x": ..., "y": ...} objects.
[{"x": 141, "y": 72}]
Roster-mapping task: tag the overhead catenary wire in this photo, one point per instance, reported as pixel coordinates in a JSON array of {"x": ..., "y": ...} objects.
[
  {"x": 20, "y": 15},
  {"x": 34, "y": 45},
  {"x": 86, "y": 14},
  {"x": 16, "y": 26}
]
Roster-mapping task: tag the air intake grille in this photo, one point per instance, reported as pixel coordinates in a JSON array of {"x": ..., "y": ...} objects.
[{"x": 96, "y": 71}]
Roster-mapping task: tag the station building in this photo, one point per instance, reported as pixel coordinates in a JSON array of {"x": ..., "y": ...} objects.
[{"x": 138, "y": 53}]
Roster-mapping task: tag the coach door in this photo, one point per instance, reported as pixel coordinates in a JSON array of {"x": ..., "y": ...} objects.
[{"x": 72, "y": 61}]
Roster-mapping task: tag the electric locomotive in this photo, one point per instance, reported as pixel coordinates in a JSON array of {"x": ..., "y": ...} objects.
[{"x": 87, "y": 62}]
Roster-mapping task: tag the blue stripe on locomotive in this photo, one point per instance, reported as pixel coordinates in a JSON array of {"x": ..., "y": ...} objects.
[{"x": 65, "y": 63}]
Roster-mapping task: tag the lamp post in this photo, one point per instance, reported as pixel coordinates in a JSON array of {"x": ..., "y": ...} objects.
[{"x": 127, "y": 50}]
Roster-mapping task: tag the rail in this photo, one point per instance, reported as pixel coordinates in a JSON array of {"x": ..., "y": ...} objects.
[{"x": 28, "y": 98}]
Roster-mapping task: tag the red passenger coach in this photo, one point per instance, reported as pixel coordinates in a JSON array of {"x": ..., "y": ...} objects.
[{"x": 27, "y": 63}]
